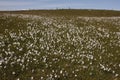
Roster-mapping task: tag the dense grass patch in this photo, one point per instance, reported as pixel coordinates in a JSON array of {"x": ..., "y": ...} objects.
[{"x": 59, "y": 48}]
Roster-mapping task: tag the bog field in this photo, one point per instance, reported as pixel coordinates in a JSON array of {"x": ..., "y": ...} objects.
[{"x": 56, "y": 45}]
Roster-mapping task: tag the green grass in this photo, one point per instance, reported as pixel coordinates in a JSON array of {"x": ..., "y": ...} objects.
[
  {"x": 59, "y": 47},
  {"x": 69, "y": 12}
]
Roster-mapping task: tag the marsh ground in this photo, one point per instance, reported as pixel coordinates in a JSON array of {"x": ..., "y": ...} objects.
[{"x": 59, "y": 47}]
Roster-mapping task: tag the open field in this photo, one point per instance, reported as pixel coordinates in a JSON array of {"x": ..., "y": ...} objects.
[
  {"x": 59, "y": 46},
  {"x": 68, "y": 12}
]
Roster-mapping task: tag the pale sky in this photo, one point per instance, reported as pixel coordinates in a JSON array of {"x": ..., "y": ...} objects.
[{"x": 53, "y": 4}]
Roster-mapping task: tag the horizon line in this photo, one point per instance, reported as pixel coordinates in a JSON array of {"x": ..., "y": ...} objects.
[{"x": 61, "y": 9}]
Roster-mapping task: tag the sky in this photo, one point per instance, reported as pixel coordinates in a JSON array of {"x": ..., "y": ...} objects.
[{"x": 59, "y": 4}]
